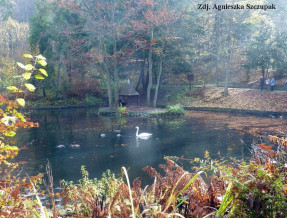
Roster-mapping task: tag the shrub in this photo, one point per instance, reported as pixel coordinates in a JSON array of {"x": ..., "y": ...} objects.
[
  {"x": 175, "y": 94},
  {"x": 257, "y": 188},
  {"x": 175, "y": 109},
  {"x": 112, "y": 197},
  {"x": 81, "y": 87},
  {"x": 88, "y": 197},
  {"x": 92, "y": 100},
  {"x": 122, "y": 111}
]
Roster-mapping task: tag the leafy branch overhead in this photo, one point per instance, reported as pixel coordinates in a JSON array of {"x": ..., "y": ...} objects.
[
  {"x": 34, "y": 68},
  {"x": 12, "y": 198}
]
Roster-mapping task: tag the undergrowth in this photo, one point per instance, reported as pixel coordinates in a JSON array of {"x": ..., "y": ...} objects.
[
  {"x": 122, "y": 111},
  {"x": 175, "y": 109},
  {"x": 215, "y": 188}
]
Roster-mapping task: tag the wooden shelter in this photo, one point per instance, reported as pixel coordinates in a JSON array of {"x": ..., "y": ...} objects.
[{"x": 126, "y": 93}]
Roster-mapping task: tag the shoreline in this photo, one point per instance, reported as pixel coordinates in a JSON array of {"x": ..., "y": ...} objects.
[{"x": 189, "y": 108}]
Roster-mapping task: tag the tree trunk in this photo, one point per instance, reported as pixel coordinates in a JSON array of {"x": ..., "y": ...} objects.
[
  {"x": 149, "y": 68},
  {"x": 158, "y": 76},
  {"x": 216, "y": 69},
  {"x": 217, "y": 46},
  {"x": 108, "y": 76},
  {"x": 139, "y": 82},
  {"x": 228, "y": 67},
  {"x": 229, "y": 29},
  {"x": 263, "y": 72},
  {"x": 144, "y": 80},
  {"x": 141, "y": 78},
  {"x": 109, "y": 85},
  {"x": 58, "y": 73},
  {"x": 115, "y": 51},
  {"x": 116, "y": 74}
]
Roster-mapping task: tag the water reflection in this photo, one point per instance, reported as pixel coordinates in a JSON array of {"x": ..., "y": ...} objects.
[{"x": 190, "y": 137}]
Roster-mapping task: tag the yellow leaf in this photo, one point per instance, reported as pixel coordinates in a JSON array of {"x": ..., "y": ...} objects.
[
  {"x": 12, "y": 88},
  {"x": 21, "y": 101},
  {"x": 43, "y": 72},
  {"x": 30, "y": 87},
  {"x": 27, "y": 56},
  {"x": 42, "y": 62},
  {"x": 21, "y": 65},
  {"x": 29, "y": 67},
  {"x": 27, "y": 75},
  {"x": 40, "y": 57}
]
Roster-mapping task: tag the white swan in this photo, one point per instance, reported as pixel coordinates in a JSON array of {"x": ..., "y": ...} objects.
[{"x": 143, "y": 135}]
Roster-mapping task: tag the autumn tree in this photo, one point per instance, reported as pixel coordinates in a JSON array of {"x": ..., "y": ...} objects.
[
  {"x": 154, "y": 23},
  {"x": 107, "y": 25},
  {"x": 59, "y": 34},
  {"x": 266, "y": 48}
]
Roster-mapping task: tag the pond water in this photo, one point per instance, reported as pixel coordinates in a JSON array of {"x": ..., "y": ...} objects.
[{"x": 189, "y": 136}]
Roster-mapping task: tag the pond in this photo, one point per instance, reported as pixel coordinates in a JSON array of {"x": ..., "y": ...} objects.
[{"x": 189, "y": 136}]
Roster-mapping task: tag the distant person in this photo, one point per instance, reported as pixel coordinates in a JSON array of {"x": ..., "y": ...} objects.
[
  {"x": 272, "y": 84},
  {"x": 262, "y": 83},
  {"x": 267, "y": 83},
  {"x": 286, "y": 83}
]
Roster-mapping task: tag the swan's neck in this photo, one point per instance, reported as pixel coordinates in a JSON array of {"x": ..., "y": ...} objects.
[{"x": 137, "y": 133}]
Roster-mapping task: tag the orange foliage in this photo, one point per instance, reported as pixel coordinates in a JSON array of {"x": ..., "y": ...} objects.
[
  {"x": 279, "y": 141},
  {"x": 268, "y": 149}
]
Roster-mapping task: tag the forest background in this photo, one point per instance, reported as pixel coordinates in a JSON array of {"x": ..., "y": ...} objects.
[{"x": 95, "y": 46}]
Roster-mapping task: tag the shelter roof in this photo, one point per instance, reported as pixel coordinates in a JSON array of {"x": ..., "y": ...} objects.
[{"x": 128, "y": 90}]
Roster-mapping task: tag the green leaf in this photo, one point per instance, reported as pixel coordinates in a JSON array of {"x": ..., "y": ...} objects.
[
  {"x": 21, "y": 65},
  {"x": 27, "y": 56},
  {"x": 42, "y": 62},
  {"x": 39, "y": 76},
  {"x": 21, "y": 102},
  {"x": 10, "y": 134},
  {"x": 29, "y": 67},
  {"x": 30, "y": 87},
  {"x": 27, "y": 75},
  {"x": 11, "y": 148},
  {"x": 12, "y": 88},
  {"x": 190, "y": 182},
  {"x": 43, "y": 72},
  {"x": 227, "y": 199},
  {"x": 40, "y": 57},
  {"x": 21, "y": 116}
]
